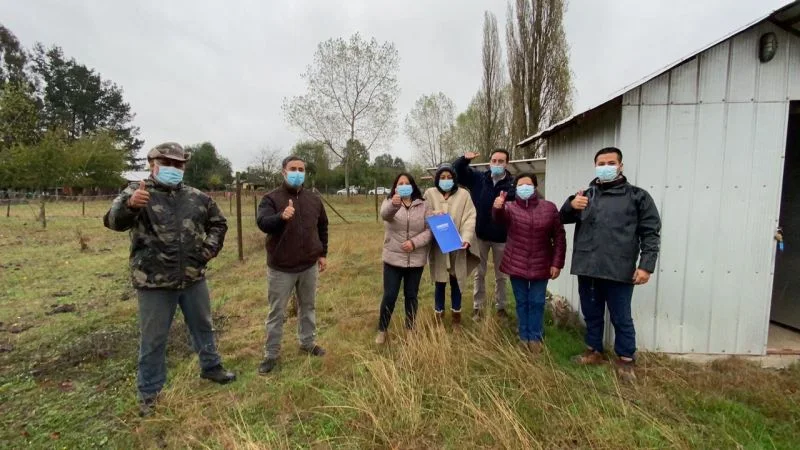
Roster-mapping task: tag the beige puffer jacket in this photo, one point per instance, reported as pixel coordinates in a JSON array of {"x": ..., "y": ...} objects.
[{"x": 402, "y": 224}]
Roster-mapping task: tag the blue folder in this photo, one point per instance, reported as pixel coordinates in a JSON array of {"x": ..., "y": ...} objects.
[{"x": 445, "y": 232}]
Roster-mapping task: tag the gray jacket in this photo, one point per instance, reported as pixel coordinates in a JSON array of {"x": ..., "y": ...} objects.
[
  {"x": 403, "y": 224},
  {"x": 169, "y": 235},
  {"x": 620, "y": 226}
]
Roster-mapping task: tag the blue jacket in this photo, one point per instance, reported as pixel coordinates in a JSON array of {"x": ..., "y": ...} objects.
[{"x": 484, "y": 192}]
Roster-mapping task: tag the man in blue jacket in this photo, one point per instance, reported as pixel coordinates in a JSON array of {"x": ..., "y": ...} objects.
[{"x": 485, "y": 186}]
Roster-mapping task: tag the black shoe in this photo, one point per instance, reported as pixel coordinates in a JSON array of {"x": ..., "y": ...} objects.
[
  {"x": 316, "y": 350},
  {"x": 218, "y": 374},
  {"x": 267, "y": 365},
  {"x": 146, "y": 406}
]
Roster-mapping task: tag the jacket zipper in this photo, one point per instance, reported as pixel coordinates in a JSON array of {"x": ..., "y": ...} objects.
[{"x": 180, "y": 240}]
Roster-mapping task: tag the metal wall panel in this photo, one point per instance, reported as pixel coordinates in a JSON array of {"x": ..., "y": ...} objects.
[
  {"x": 675, "y": 208},
  {"x": 698, "y": 299},
  {"x": 714, "y": 73},
  {"x": 656, "y": 91},
  {"x": 743, "y": 67},
  {"x": 683, "y": 84}
]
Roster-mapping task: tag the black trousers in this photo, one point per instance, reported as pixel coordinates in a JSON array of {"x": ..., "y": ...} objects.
[{"x": 392, "y": 277}]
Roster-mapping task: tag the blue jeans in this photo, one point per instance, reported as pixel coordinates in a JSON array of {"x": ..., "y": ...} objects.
[
  {"x": 156, "y": 310},
  {"x": 595, "y": 294},
  {"x": 530, "y": 297},
  {"x": 392, "y": 277},
  {"x": 455, "y": 295}
]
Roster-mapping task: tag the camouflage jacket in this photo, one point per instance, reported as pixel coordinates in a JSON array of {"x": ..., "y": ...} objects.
[{"x": 172, "y": 238}]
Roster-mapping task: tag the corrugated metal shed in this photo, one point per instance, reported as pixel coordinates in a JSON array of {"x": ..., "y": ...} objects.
[{"x": 706, "y": 138}]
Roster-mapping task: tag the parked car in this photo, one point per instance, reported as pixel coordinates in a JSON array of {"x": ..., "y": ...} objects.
[
  {"x": 380, "y": 191},
  {"x": 353, "y": 191}
]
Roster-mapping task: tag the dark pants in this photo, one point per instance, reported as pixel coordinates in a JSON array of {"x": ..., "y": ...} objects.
[
  {"x": 595, "y": 295},
  {"x": 156, "y": 310},
  {"x": 455, "y": 295},
  {"x": 392, "y": 277},
  {"x": 530, "y": 297}
]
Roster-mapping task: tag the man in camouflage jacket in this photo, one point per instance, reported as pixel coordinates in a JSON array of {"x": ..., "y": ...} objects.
[{"x": 175, "y": 230}]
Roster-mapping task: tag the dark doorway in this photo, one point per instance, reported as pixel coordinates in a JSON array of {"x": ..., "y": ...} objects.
[{"x": 786, "y": 288}]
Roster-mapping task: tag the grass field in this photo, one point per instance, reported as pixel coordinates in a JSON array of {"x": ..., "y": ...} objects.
[{"x": 67, "y": 380}]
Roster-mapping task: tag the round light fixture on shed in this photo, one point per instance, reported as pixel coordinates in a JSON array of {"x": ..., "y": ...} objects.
[{"x": 768, "y": 47}]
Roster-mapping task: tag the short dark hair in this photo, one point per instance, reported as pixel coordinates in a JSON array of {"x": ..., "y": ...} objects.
[
  {"x": 530, "y": 175},
  {"x": 606, "y": 151},
  {"x": 291, "y": 158},
  {"x": 503, "y": 151}
]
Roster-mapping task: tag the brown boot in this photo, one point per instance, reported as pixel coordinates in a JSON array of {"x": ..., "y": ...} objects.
[
  {"x": 589, "y": 357},
  {"x": 456, "y": 320},
  {"x": 536, "y": 347},
  {"x": 438, "y": 318}
]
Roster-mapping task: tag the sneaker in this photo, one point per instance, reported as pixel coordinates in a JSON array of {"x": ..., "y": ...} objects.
[
  {"x": 218, "y": 374},
  {"x": 316, "y": 350},
  {"x": 536, "y": 347},
  {"x": 625, "y": 370},
  {"x": 146, "y": 406},
  {"x": 380, "y": 339},
  {"x": 589, "y": 358},
  {"x": 267, "y": 365},
  {"x": 438, "y": 318},
  {"x": 502, "y": 314}
]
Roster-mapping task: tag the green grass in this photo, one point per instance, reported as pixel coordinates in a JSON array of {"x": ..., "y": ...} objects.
[{"x": 69, "y": 381}]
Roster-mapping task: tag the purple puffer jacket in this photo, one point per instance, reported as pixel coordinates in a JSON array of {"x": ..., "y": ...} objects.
[{"x": 536, "y": 238}]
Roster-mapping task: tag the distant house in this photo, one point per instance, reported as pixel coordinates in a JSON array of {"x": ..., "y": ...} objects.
[{"x": 715, "y": 139}]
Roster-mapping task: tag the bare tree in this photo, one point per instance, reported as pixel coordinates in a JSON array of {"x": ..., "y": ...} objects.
[
  {"x": 490, "y": 97},
  {"x": 266, "y": 164},
  {"x": 538, "y": 66},
  {"x": 429, "y": 126},
  {"x": 351, "y": 95}
]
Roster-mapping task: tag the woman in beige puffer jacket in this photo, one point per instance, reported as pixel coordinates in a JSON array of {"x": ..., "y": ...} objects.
[{"x": 405, "y": 250}]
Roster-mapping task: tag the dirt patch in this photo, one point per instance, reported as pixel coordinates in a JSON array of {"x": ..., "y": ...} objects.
[
  {"x": 91, "y": 347},
  {"x": 60, "y": 309},
  {"x": 17, "y": 328}
]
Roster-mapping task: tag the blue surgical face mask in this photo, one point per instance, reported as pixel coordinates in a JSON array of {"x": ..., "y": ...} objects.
[
  {"x": 169, "y": 176},
  {"x": 525, "y": 191},
  {"x": 606, "y": 173},
  {"x": 295, "y": 178},
  {"x": 497, "y": 170},
  {"x": 404, "y": 190},
  {"x": 446, "y": 185}
]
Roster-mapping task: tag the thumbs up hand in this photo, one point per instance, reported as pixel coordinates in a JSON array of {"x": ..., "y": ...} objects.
[
  {"x": 580, "y": 202},
  {"x": 140, "y": 197},
  {"x": 500, "y": 200},
  {"x": 288, "y": 213}
]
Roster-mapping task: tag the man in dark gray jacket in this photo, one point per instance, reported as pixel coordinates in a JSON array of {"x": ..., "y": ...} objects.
[
  {"x": 175, "y": 230},
  {"x": 616, "y": 225}
]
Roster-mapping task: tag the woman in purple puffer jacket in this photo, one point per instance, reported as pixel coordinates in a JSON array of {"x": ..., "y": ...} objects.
[
  {"x": 534, "y": 254},
  {"x": 405, "y": 250}
]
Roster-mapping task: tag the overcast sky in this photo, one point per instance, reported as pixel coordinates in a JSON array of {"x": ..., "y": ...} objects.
[{"x": 206, "y": 71}]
